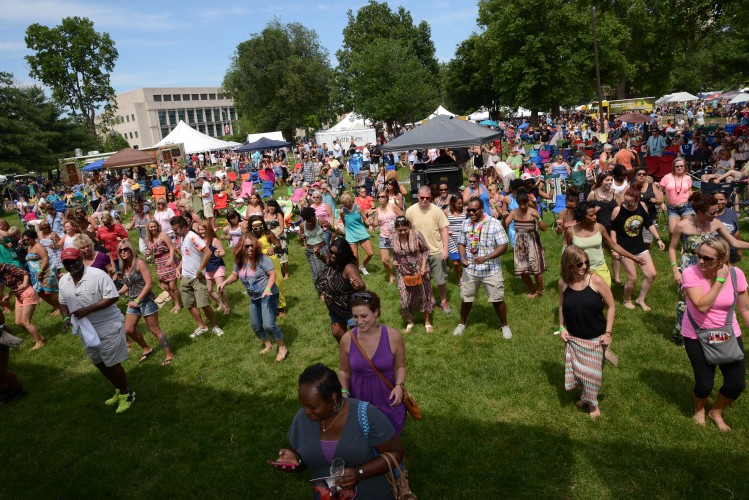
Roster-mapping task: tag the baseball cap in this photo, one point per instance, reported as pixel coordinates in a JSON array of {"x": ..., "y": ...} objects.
[
  {"x": 70, "y": 253},
  {"x": 526, "y": 176},
  {"x": 202, "y": 174}
]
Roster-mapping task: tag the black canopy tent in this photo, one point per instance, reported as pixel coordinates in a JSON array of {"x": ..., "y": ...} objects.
[
  {"x": 262, "y": 144},
  {"x": 442, "y": 132}
]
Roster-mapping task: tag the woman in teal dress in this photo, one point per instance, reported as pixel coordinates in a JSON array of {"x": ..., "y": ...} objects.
[
  {"x": 43, "y": 277},
  {"x": 357, "y": 235}
]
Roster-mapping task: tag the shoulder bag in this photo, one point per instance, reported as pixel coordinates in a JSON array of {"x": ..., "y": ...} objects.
[
  {"x": 411, "y": 406},
  {"x": 719, "y": 344},
  {"x": 9, "y": 340}
]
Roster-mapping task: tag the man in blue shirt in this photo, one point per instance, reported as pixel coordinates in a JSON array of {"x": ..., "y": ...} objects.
[{"x": 656, "y": 143}]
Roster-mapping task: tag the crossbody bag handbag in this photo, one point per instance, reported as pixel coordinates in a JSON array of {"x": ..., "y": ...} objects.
[
  {"x": 719, "y": 344},
  {"x": 9, "y": 340},
  {"x": 411, "y": 406}
]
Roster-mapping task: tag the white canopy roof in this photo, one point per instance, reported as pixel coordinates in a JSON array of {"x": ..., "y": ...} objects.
[
  {"x": 663, "y": 99},
  {"x": 742, "y": 97},
  {"x": 479, "y": 115},
  {"x": 276, "y": 136},
  {"x": 681, "y": 97},
  {"x": 438, "y": 112},
  {"x": 351, "y": 121},
  {"x": 194, "y": 141}
]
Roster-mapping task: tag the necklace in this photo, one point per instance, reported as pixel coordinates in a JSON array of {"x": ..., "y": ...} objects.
[
  {"x": 322, "y": 422},
  {"x": 474, "y": 236},
  {"x": 681, "y": 184}
]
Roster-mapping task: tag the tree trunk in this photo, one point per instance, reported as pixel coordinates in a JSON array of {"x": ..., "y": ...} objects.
[
  {"x": 621, "y": 89},
  {"x": 555, "y": 109},
  {"x": 534, "y": 117}
]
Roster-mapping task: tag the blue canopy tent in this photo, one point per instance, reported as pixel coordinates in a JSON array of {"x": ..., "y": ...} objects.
[
  {"x": 262, "y": 144},
  {"x": 488, "y": 123},
  {"x": 94, "y": 165}
]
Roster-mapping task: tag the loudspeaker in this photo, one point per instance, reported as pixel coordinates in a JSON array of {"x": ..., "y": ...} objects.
[{"x": 450, "y": 174}]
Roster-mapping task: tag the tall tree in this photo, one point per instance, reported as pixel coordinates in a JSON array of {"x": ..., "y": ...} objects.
[
  {"x": 280, "y": 79},
  {"x": 390, "y": 84},
  {"x": 467, "y": 79},
  {"x": 75, "y": 61},
  {"x": 372, "y": 22}
]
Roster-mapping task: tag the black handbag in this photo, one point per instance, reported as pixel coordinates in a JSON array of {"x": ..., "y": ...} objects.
[{"x": 719, "y": 344}]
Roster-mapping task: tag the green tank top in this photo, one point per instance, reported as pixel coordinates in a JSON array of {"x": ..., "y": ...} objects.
[{"x": 592, "y": 246}]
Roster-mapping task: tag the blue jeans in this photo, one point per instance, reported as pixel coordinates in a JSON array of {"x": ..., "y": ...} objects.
[{"x": 263, "y": 317}]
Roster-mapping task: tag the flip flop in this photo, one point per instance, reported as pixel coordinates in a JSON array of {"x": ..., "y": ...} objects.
[
  {"x": 145, "y": 356},
  {"x": 167, "y": 362}
]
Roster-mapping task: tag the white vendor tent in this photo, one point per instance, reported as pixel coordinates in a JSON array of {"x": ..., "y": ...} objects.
[
  {"x": 276, "y": 136},
  {"x": 680, "y": 97},
  {"x": 479, "y": 115},
  {"x": 440, "y": 111},
  {"x": 352, "y": 126},
  {"x": 193, "y": 141}
]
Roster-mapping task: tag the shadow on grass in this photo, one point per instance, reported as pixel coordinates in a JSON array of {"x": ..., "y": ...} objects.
[
  {"x": 555, "y": 376},
  {"x": 674, "y": 388}
]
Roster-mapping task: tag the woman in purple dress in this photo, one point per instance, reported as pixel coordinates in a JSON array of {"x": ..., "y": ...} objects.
[{"x": 384, "y": 346}]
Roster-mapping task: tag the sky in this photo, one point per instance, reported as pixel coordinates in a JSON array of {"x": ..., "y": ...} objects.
[{"x": 168, "y": 43}]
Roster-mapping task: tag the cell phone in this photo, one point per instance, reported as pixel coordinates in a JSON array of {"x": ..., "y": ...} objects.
[{"x": 283, "y": 465}]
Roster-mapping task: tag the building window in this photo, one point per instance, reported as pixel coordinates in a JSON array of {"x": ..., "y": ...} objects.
[
  {"x": 132, "y": 117},
  {"x": 162, "y": 118},
  {"x": 216, "y": 115},
  {"x": 172, "y": 117},
  {"x": 181, "y": 114},
  {"x": 191, "y": 116},
  {"x": 203, "y": 97},
  {"x": 200, "y": 115},
  {"x": 221, "y": 96},
  {"x": 185, "y": 97},
  {"x": 131, "y": 135},
  {"x": 195, "y": 97},
  {"x": 212, "y": 97},
  {"x": 156, "y": 98},
  {"x": 233, "y": 113},
  {"x": 164, "y": 132},
  {"x": 167, "y": 97},
  {"x": 177, "y": 97},
  {"x": 127, "y": 118},
  {"x": 125, "y": 136},
  {"x": 136, "y": 134}
]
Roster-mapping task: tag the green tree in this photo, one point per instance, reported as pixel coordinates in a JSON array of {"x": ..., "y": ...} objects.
[
  {"x": 390, "y": 84},
  {"x": 33, "y": 132},
  {"x": 74, "y": 61},
  {"x": 372, "y": 22},
  {"x": 280, "y": 79},
  {"x": 467, "y": 80}
]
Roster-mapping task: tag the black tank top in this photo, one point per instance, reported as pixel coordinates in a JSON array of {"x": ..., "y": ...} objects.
[{"x": 583, "y": 312}]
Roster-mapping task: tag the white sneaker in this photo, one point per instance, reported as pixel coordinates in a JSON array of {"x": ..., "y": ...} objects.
[
  {"x": 459, "y": 329},
  {"x": 506, "y": 332},
  {"x": 198, "y": 332},
  {"x": 218, "y": 331},
  {"x": 363, "y": 271}
]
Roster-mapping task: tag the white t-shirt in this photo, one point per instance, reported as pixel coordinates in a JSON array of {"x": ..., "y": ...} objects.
[
  {"x": 126, "y": 186},
  {"x": 206, "y": 192},
  {"x": 164, "y": 217},
  {"x": 95, "y": 285},
  {"x": 192, "y": 254}
]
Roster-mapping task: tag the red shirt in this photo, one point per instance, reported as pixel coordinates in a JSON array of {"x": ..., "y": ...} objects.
[
  {"x": 110, "y": 238},
  {"x": 365, "y": 203}
]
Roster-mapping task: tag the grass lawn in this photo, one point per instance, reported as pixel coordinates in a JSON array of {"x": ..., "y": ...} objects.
[{"x": 497, "y": 422}]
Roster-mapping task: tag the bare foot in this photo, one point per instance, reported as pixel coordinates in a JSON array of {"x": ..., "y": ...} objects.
[
  {"x": 391, "y": 280},
  {"x": 167, "y": 361},
  {"x": 287, "y": 276},
  {"x": 37, "y": 345},
  {"x": 718, "y": 419},
  {"x": 56, "y": 313},
  {"x": 699, "y": 417},
  {"x": 628, "y": 304},
  {"x": 594, "y": 412},
  {"x": 266, "y": 349},
  {"x": 175, "y": 310},
  {"x": 642, "y": 304},
  {"x": 282, "y": 353},
  {"x": 531, "y": 295}
]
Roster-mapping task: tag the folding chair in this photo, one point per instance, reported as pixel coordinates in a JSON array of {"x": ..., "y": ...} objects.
[
  {"x": 268, "y": 189},
  {"x": 220, "y": 203},
  {"x": 158, "y": 191},
  {"x": 246, "y": 189},
  {"x": 559, "y": 205}
]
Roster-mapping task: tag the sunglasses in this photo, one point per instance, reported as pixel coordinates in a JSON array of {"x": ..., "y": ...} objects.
[
  {"x": 705, "y": 258},
  {"x": 629, "y": 203},
  {"x": 365, "y": 296},
  {"x": 248, "y": 246},
  {"x": 381, "y": 197},
  {"x": 443, "y": 190},
  {"x": 69, "y": 262},
  {"x": 472, "y": 210},
  {"x": 580, "y": 265},
  {"x": 124, "y": 250},
  {"x": 425, "y": 198}
]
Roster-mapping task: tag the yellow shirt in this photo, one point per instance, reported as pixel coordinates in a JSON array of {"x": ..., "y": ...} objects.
[{"x": 428, "y": 223}]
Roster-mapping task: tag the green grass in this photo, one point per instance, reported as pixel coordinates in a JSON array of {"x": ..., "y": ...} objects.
[{"x": 497, "y": 423}]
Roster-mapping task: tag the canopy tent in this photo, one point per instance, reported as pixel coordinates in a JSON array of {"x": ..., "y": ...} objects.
[
  {"x": 276, "y": 136},
  {"x": 444, "y": 132},
  {"x": 709, "y": 94},
  {"x": 479, "y": 115},
  {"x": 351, "y": 121},
  {"x": 193, "y": 141},
  {"x": 488, "y": 123},
  {"x": 129, "y": 157},
  {"x": 94, "y": 165},
  {"x": 663, "y": 99},
  {"x": 262, "y": 144},
  {"x": 730, "y": 94},
  {"x": 351, "y": 126},
  {"x": 742, "y": 97},
  {"x": 681, "y": 97},
  {"x": 440, "y": 111}
]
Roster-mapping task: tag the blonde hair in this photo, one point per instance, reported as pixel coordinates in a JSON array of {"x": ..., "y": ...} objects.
[
  {"x": 720, "y": 246},
  {"x": 124, "y": 244},
  {"x": 82, "y": 240},
  {"x": 149, "y": 238}
]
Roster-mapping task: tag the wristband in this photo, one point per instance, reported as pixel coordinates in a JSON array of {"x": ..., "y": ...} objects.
[
  {"x": 720, "y": 280},
  {"x": 606, "y": 333},
  {"x": 674, "y": 264},
  {"x": 267, "y": 289},
  {"x": 344, "y": 391},
  {"x": 65, "y": 319},
  {"x": 136, "y": 300},
  {"x": 562, "y": 328}
]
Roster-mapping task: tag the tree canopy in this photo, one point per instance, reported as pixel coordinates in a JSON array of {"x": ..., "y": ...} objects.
[
  {"x": 74, "y": 61},
  {"x": 280, "y": 79}
]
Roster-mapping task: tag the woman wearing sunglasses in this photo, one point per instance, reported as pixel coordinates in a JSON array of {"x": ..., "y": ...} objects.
[
  {"x": 628, "y": 224},
  {"x": 584, "y": 328},
  {"x": 258, "y": 275},
  {"x": 713, "y": 287},
  {"x": 384, "y": 219},
  {"x": 691, "y": 233},
  {"x": 650, "y": 194}
]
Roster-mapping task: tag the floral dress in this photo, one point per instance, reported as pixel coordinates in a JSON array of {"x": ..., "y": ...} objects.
[{"x": 409, "y": 256}]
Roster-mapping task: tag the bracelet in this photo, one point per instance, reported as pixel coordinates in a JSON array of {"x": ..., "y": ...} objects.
[
  {"x": 65, "y": 319},
  {"x": 606, "y": 333},
  {"x": 344, "y": 391},
  {"x": 267, "y": 289},
  {"x": 720, "y": 280},
  {"x": 136, "y": 300},
  {"x": 674, "y": 264},
  {"x": 562, "y": 328}
]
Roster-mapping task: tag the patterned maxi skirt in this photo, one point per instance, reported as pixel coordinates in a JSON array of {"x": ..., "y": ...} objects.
[{"x": 583, "y": 368}]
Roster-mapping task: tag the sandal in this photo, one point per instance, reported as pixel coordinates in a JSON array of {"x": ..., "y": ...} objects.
[
  {"x": 429, "y": 328},
  {"x": 167, "y": 362},
  {"x": 409, "y": 327},
  {"x": 145, "y": 356}
]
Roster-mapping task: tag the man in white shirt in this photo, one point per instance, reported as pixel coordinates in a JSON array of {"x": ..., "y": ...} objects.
[
  {"x": 89, "y": 297},
  {"x": 337, "y": 151},
  {"x": 127, "y": 192},
  {"x": 193, "y": 288},
  {"x": 206, "y": 196}
]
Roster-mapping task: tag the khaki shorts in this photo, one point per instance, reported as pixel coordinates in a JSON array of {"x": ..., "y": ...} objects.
[
  {"x": 194, "y": 292},
  {"x": 113, "y": 347},
  {"x": 207, "y": 209},
  {"x": 438, "y": 269},
  {"x": 494, "y": 286}
]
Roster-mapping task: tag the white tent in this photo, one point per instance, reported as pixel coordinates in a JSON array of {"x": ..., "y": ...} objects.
[
  {"x": 479, "y": 115},
  {"x": 742, "y": 97},
  {"x": 663, "y": 99},
  {"x": 193, "y": 141},
  {"x": 438, "y": 112},
  {"x": 276, "y": 136},
  {"x": 681, "y": 97},
  {"x": 352, "y": 126}
]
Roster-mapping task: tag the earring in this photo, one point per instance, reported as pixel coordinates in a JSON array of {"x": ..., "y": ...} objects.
[{"x": 337, "y": 406}]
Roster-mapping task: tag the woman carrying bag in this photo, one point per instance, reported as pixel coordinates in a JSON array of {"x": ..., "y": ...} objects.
[{"x": 713, "y": 290}]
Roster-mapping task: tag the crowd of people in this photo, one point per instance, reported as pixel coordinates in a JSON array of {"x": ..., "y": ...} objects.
[{"x": 80, "y": 261}]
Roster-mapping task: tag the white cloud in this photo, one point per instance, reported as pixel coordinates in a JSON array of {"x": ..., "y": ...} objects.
[{"x": 9, "y": 46}]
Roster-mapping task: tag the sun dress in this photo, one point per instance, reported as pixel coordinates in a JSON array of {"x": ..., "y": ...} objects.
[
  {"x": 42, "y": 281},
  {"x": 366, "y": 385},
  {"x": 275, "y": 228},
  {"x": 528, "y": 251},
  {"x": 164, "y": 271},
  {"x": 53, "y": 253},
  {"x": 235, "y": 235},
  {"x": 409, "y": 256}
]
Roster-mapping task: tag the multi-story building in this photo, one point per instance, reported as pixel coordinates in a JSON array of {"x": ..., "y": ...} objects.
[{"x": 145, "y": 116}]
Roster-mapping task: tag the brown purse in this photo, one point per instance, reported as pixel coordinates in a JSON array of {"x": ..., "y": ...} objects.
[
  {"x": 398, "y": 485},
  {"x": 412, "y": 406},
  {"x": 412, "y": 279}
]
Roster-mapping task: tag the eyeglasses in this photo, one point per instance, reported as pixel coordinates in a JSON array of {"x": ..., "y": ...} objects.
[
  {"x": 365, "y": 296},
  {"x": 425, "y": 198},
  {"x": 472, "y": 210},
  {"x": 679, "y": 166},
  {"x": 124, "y": 250},
  {"x": 705, "y": 258},
  {"x": 443, "y": 190},
  {"x": 580, "y": 265}
]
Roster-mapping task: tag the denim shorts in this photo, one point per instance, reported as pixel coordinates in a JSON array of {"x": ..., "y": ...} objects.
[
  {"x": 335, "y": 319},
  {"x": 145, "y": 308},
  {"x": 682, "y": 210},
  {"x": 385, "y": 243}
]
